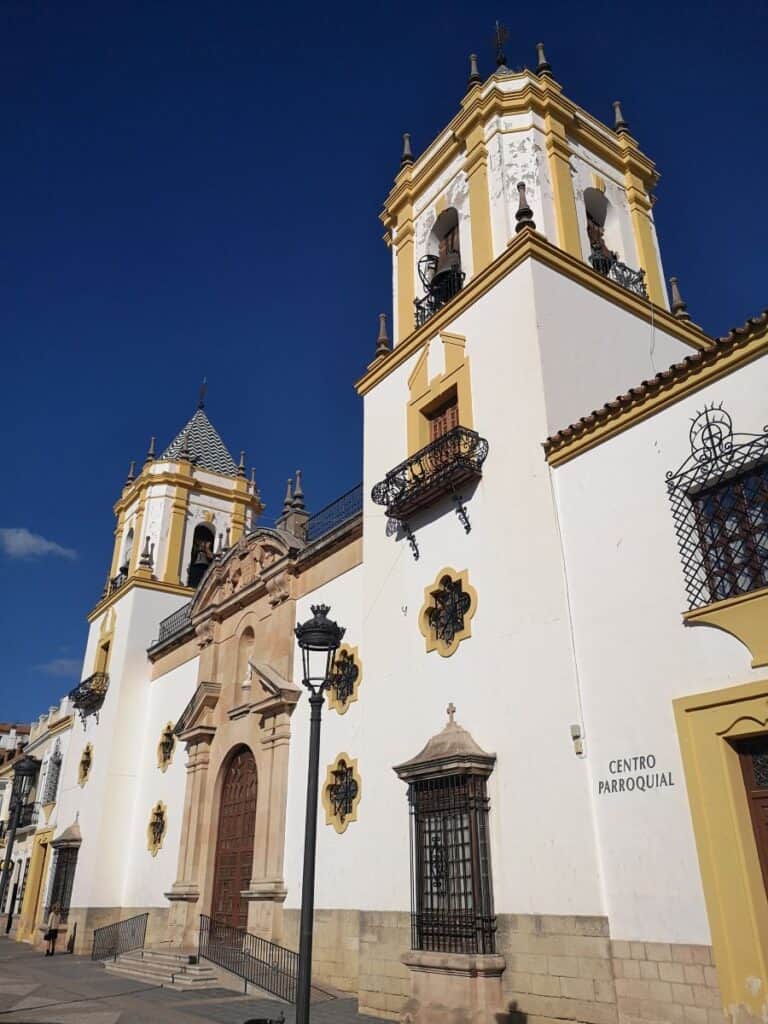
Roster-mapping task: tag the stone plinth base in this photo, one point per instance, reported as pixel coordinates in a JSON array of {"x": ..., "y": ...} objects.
[{"x": 453, "y": 986}]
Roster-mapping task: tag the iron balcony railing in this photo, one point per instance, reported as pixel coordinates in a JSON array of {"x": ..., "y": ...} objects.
[
  {"x": 120, "y": 937},
  {"x": 437, "y": 469},
  {"x": 609, "y": 265},
  {"x": 88, "y": 696},
  {"x": 336, "y": 514},
  {"x": 440, "y": 289},
  {"x": 178, "y": 622},
  {"x": 116, "y": 582},
  {"x": 255, "y": 960}
]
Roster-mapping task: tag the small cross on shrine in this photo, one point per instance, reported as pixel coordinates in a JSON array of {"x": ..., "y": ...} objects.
[{"x": 451, "y": 710}]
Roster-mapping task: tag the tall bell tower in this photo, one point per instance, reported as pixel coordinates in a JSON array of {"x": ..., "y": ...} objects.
[{"x": 187, "y": 502}]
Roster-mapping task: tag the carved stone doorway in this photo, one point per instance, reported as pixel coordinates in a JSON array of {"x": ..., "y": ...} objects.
[{"x": 234, "y": 840}]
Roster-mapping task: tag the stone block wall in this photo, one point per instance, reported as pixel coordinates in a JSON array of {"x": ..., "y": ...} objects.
[
  {"x": 558, "y": 968},
  {"x": 88, "y": 919},
  {"x": 660, "y": 981}
]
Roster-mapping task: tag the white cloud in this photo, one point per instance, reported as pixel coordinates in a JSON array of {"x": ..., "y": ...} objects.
[
  {"x": 18, "y": 542},
  {"x": 60, "y": 667}
]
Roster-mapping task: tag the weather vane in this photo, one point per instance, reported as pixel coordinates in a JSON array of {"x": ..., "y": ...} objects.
[
  {"x": 203, "y": 392},
  {"x": 500, "y": 36}
]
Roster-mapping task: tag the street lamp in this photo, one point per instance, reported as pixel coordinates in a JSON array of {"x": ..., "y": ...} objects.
[
  {"x": 319, "y": 639},
  {"x": 24, "y": 772}
]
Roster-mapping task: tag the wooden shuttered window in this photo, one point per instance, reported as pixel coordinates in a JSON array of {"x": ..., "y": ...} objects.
[{"x": 443, "y": 419}]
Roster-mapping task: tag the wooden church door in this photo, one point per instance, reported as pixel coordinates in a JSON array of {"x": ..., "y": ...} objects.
[{"x": 234, "y": 841}]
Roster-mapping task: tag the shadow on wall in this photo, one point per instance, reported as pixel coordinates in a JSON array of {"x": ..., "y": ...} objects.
[{"x": 512, "y": 1016}]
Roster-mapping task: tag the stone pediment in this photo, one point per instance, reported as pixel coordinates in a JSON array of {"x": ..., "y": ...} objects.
[
  {"x": 197, "y": 721},
  {"x": 270, "y": 692},
  {"x": 253, "y": 562}
]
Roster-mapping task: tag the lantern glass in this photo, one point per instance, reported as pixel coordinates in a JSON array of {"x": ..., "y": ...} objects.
[
  {"x": 24, "y": 774},
  {"x": 319, "y": 639}
]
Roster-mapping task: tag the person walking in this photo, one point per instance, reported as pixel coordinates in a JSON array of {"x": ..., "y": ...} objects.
[{"x": 54, "y": 920}]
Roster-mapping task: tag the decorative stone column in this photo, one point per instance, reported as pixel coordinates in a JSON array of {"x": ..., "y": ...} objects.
[
  {"x": 196, "y": 729},
  {"x": 276, "y": 700},
  {"x": 449, "y": 777}
]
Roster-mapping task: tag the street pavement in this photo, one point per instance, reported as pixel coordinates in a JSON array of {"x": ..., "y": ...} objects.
[{"x": 65, "y": 989}]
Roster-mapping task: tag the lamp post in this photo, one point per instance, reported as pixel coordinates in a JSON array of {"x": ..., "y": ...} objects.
[
  {"x": 319, "y": 639},
  {"x": 24, "y": 772}
]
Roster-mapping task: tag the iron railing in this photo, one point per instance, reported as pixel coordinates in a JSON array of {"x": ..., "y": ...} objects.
[
  {"x": 336, "y": 514},
  {"x": 116, "y": 582},
  {"x": 120, "y": 937},
  {"x": 437, "y": 469},
  {"x": 609, "y": 265},
  {"x": 440, "y": 288},
  {"x": 88, "y": 696},
  {"x": 255, "y": 960},
  {"x": 719, "y": 499},
  {"x": 28, "y": 815},
  {"x": 179, "y": 621}
]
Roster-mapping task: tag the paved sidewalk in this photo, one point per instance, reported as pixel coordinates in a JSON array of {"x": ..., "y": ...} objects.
[{"x": 35, "y": 989}]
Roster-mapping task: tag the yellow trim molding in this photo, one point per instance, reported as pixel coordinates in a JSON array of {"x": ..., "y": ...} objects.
[
  {"x": 85, "y": 765},
  {"x": 33, "y": 891},
  {"x": 162, "y": 761},
  {"x": 745, "y": 617},
  {"x": 333, "y": 816},
  {"x": 153, "y": 845},
  {"x": 426, "y": 395},
  {"x": 734, "y": 890},
  {"x": 476, "y": 170},
  {"x": 531, "y": 245},
  {"x": 141, "y": 584},
  {"x": 432, "y": 596},
  {"x": 346, "y": 654}
]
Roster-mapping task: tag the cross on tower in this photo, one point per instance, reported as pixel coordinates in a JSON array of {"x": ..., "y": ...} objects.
[{"x": 451, "y": 710}]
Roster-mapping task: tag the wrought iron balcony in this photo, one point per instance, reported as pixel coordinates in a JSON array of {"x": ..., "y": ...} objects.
[
  {"x": 441, "y": 283},
  {"x": 609, "y": 265},
  {"x": 89, "y": 695},
  {"x": 439, "y": 469},
  {"x": 116, "y": 582}
]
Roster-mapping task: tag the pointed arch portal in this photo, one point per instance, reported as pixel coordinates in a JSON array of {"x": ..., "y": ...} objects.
[{"x": 234, "y": 840}]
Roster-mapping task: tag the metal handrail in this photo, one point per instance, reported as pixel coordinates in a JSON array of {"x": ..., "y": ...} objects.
[
  {"x": 258, "y": 961},
  {"x": 336, "y": 513},
  {"x": 119, "y": 937},
  {"x": 180, "y": 620}
]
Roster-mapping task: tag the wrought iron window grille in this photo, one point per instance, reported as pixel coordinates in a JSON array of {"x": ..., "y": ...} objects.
[
  {"x": 440, "y": 285},
  {"x": 719, "y": 500},
  {"x": 157, "y": 827},
  {"x": 437, "y": 470},
  {"x": 344, "y": 675},
  {"x": 166, "y": 746},
  {"x": 51, "y": 786},
  {"x": 451, "y": 888},
  {"x": 88, "y": 696},
  {"x": 451, "y": 604},
  {"x": 62, "y": 880},
  {"x": 343, "y": 791}
]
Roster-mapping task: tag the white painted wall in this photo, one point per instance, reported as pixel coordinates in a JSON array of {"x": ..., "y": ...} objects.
[
  {"x": 106, "y": 805},
  {"x": 635, "y": 655},
  {"x": 148, "y": 877}
]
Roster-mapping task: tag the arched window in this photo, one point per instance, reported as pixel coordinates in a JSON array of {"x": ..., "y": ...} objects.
[
  {"x": 596, "y": 207},
  {"x": 125, "y": 561},
  {"x": 202, "y": 553},
  {"x": 440, "y": 269}
]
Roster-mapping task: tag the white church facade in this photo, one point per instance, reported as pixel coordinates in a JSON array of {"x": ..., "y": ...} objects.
[{"x": 545, "y": 750}]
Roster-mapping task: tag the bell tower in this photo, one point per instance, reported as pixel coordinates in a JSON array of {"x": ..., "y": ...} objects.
[
  {"x": 185, "y": 504},
  {"x": 454, "y": 209}
]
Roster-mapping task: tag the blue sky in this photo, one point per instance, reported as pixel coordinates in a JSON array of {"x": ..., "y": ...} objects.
[{"x": 192, "y": 189}]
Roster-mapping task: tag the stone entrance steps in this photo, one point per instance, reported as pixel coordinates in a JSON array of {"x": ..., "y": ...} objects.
[{"x": 161, "y": 967}]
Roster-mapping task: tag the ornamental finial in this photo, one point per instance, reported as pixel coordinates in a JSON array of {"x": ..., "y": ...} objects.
[
  {"x": 407, "y": 158},
  {"x": 288, "y": 499},
  {"x": 131, "y": 472},
  {"x": 298, "y": 493},
  {"x": 383, "y": 346},
  {"x": 620, "y": 126},
  {"x": 500, "y": 36},
  {"x": 543, "y": 67},
  {"x": 451, "y": 711},
  {"x": 679, "y": 307},
  {"x": 474, "y": 71},
  {"x": 241, "y": 465},
  {"x": 202, "y": 393},
  {"x": 524, "y": 215},
  {"x": 151, "y": 450}
]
